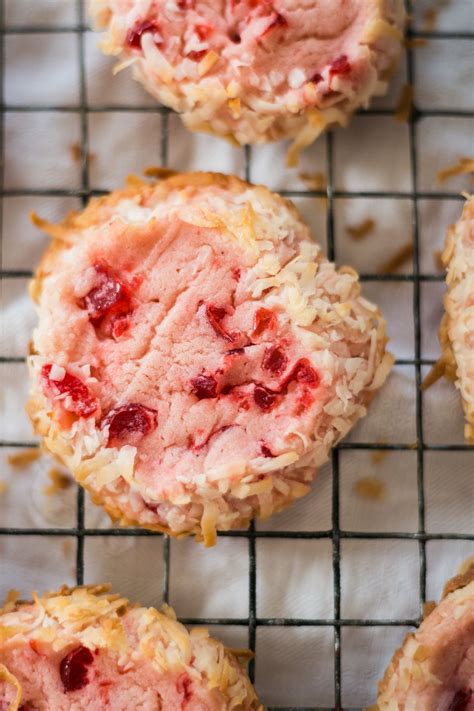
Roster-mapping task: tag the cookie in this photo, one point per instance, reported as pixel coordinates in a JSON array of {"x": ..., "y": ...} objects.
[
  {"x": 255, "y": 70},
  {"x": 84, "y": 648},
  {"x": 434, "y": 669},
  {"x": 457, "y": 327},
  {"x": 197, "y": 356}
]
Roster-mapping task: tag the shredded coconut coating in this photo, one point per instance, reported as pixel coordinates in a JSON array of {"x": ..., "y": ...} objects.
[
  {"x": 257, "y": 70},
  {"x": 434, "y": 669},
  {"x": 85, "y": 649},
  {"x": 244, "y": 357},
  {"x": 457, "y": 326}
]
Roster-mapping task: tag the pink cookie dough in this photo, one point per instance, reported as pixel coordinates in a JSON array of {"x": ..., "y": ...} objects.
[
  {"x": 85, "y": 649},
  {"x": 434, "y": 669},
  {"x": 257, "y": 70},
  {"x": 196, "y": 355}
]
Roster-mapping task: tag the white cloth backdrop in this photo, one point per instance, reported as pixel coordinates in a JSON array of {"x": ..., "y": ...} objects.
[{"x": 294, "y": 577}]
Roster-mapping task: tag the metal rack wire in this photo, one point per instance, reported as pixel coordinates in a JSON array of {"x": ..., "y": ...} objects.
[{"x": 335, "y": 534}]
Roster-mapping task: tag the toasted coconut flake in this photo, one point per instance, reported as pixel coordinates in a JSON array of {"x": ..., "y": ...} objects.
[
  {"x": 317, "y": 122},
  {"x": 313, "y": 181},
  {"x": 379, "y": 455},
  {"x": 58, "y": 232},
  {"x": 24, "y": 457},
  {"x": 235, "y": 107},
  {"x": 208, "y": 523},
  {"x": 404, "y": 104},
  {"x": 462, "y": 167},
  {"x": 467, "y": 566},
  {"x": 76, "y": 153},
  {"x": 363, "y": 229},
  {"x": 11, "y": 598},
  {"x": 464, "y": 577},
  {"x": 415, "y": 42},
  {"x": 428, "y": 608},
  {"x": 430, "y": 19},
  {"x": 431, "y": 14},
  {"x": 421, "y": 654},
  {"x": 437, "y": 254},
  {"x": 206, "y": 64},
  {"x": 158, "y": 172},
  {"x": 404, "y": 254},
  {"x": 59, "y": 482},
  {"x": 120, "y": 66},
  {"x": 134, "y": 181},
  {"x": 370, "y": 488},
  {"x": 380, "y": 28},
  {"x": 11, "y": 680},
  {"x": 437, "y": 371}
]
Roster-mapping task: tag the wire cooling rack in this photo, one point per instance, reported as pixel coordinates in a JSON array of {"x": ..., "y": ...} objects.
[{"x": 335, "y": 534}]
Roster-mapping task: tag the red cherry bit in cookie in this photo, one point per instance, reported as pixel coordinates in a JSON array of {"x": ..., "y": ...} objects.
[
  {"x": 262, "y": 321},
  {"x": 131, "y": 419},
  {"x": 264, "y": 398},
  {"x": 74, "y": 669},
  {"x": 340, "y": 67},
  {"x": 109, "y": 298},
  {"x": 274, "y": 360},
  {"x": 204, "y": 386},
  {"x": 135, "y": 34},
  {"x": 215, "y": 316},
  {"x": 80, "y": 401}
]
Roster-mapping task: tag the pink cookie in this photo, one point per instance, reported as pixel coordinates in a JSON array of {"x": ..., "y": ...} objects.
[
  {"x": 196, "y": 355},
  {"x": 457, "y": 327},
  {"x": 86, "y": 650},
  {"x": 257, "y": 70},
  {"x": 434, "y": 669}
]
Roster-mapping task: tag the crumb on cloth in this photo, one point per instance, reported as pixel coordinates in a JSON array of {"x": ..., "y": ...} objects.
[
  {"x": 378, "y": 455},
  {"x": 431, "y": 14},
  {"x": 313, "y": 181},
  {"x": 404, "y": 104},
  {"x": 24, "y": 458},
  {"x": 397, "y": 260},
  {"x": 370, "y": 487},
  {"x": 430, "y": 19},
  {"x": 3, "y": 486},
  {"x": 67, "y": 547},
  {"x": 414, "y": 42},
  {"x": 76, "y": 153},
  {"x": 316, "y": 182},
  {"x": 159, "y": 172},
  {"x": 361, "y": 230},
  {"x": 464, "y": 166},
  {"x": 437, "y": 257},
  {"x": 59, "y": 482}
]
